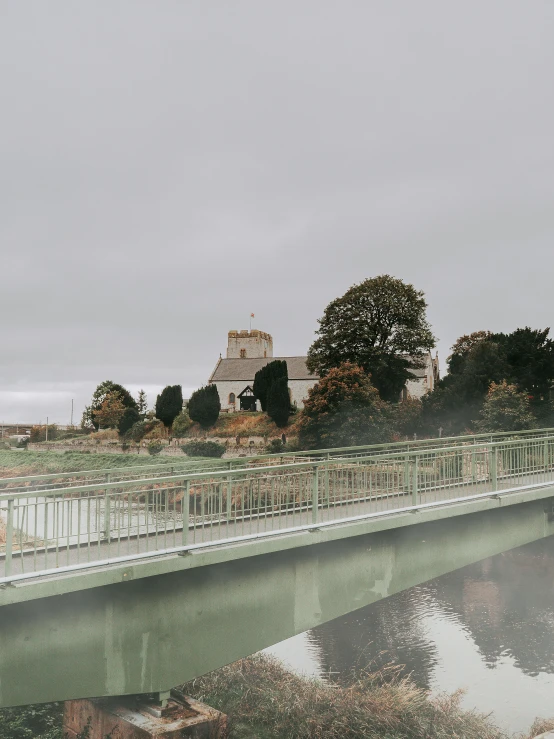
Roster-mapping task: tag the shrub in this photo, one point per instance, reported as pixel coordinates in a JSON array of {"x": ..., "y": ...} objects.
[
  {"x": 38, "y": 433},
  {"x": 198, "y": 448},
  {"x": 128, "y": 419},
  {"x": 154, "y": 447},
  {"x": 275, "y": 446},
  {"x": 204, "y": 406},
  {"x": 137, "y": 431},
  {"x": 181, "y": 424},
  {"x": 505, "y": 409},
  {"x": 169, "y": 404}
]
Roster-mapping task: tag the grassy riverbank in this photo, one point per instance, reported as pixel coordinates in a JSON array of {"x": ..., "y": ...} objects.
[
  {"x": 20, "y": 463},
  {"x": 265, "y": 701}
]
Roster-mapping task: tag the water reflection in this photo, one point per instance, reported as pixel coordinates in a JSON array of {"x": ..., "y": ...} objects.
[{"x": 488, "y": 628}]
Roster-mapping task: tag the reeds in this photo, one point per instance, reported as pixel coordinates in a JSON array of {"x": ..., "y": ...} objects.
[{"x": 263, "y": 699}]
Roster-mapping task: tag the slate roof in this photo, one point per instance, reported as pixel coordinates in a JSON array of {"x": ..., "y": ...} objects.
[{"x": 244, "y": 369}]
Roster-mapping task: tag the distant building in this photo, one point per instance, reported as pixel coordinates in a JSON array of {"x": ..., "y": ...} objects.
[
  {"x": 248, "y": 352},
  {"x": 425, "y": 379}
]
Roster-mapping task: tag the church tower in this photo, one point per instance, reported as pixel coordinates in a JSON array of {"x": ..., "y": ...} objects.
[{"x": 249, "y": 344}]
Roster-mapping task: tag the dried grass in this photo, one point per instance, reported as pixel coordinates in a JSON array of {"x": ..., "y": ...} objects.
[{"x": 265, "y": 700}]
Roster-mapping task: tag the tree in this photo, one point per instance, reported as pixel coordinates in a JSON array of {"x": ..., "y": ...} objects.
[
  {"x": 204, "y": 406},
  {"x": 343, "y": 409},
  {"x": 102, "y": 391},
  {"x": 181, "y": 424},
  {"x": 505, "y": 409},
  {"x": 169, "y": 404},
  {"x": 524, "y": 358},
  {"x": 264, "y": 378},
  {"x": 142, "y": 403},
  {"x": 379, "y": 325},
  {"x": 278, "y": 401},
  {"x": 261, "y": 385},
  {"x": 110, "y": 412},
  {"x": 86, "y": 418},
  {"x": 128, "y": 419}
]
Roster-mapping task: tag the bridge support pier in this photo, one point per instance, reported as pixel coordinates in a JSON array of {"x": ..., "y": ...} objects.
[{"x": 162, "y": 716}]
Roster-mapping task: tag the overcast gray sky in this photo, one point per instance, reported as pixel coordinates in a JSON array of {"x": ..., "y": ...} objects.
[{"x": 167, "y": 168}]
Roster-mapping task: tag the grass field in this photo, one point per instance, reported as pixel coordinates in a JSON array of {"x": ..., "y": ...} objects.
[{"x": 21, "y": 463}]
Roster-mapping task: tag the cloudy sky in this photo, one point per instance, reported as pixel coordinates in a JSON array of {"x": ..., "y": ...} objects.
[{"x": 167, "y": 168}]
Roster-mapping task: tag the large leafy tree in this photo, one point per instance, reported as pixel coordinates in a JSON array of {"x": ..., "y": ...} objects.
[
  {"x": 343, "y": 409},
  {"x": 379, "y": 325},
  {"x": 169, "y": 404},
  {"x": 102, "y": 391},
  {"x": 204, "y": 406}
]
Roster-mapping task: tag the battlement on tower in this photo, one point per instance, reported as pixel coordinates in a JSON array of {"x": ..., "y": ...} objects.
[{"x": 249, "y": 344}]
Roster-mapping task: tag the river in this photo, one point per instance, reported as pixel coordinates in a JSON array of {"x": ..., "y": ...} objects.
[{"x": 487, "y": 628}]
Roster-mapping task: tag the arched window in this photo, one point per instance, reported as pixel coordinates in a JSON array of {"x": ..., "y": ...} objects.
[
  {"x": 231, "y": 398},
  {"x": 243, "y": 353}
]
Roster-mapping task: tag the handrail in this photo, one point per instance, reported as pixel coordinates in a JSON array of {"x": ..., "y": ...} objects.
[
  {"x": 10, "y": 579},
  {"x": 243, "y": 471},
  {"x": 240, "y": 462}
]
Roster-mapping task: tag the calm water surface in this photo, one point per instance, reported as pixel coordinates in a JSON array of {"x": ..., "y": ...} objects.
[{"x": 487, "y": 628}]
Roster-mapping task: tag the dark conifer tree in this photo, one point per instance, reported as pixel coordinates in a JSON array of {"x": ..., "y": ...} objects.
[
  {"x": 204, "y": 406},
  {"x": 278, "y": 401},
  {"x": 261, "y": 385},
  {"x": 169, "y": 404}
]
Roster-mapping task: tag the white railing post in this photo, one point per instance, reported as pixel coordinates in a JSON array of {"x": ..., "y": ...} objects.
[
  {"x": 185, "y": 508},
  {"x": 493, "y": 453},
  {"x": 9, "y": 538},
  {"x": 414, "y": 481},
  {"x": 315, "y": 496}
]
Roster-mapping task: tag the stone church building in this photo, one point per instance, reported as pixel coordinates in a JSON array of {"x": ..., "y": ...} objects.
[{"x": 249, "y": 351}]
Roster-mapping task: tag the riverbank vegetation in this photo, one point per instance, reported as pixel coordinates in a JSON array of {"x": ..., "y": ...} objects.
[
  {"x": 265, "y": 701},
  {"x": 20, "y": 463}
]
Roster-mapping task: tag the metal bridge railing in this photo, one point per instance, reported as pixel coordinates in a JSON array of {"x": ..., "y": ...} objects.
[
  {"x": 183, "y": 466},
  {"x": 87, "y": 524}
]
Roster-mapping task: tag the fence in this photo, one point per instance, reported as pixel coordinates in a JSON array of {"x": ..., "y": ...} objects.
[
  {"x": 82, "y": 525},
  {"x": 187, "y": 466}
]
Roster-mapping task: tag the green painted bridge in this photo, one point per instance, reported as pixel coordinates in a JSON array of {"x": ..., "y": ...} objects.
[{"x": 127, "y": 586}]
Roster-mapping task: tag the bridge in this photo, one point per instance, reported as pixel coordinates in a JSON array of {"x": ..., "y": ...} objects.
[{"x": 133, "y": 581}]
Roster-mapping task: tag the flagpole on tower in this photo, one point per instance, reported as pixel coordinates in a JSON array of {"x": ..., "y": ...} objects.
[{"x": 251, "y": 317}]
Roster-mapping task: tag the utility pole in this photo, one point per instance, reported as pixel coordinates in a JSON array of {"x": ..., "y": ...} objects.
[
  {"x": 71, "y": 424},
  {"x": 46, "y": 428}
]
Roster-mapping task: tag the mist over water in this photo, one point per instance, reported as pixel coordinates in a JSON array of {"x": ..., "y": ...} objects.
[{"x": 487, "y": 628}]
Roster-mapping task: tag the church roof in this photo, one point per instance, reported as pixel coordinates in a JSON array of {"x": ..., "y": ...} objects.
[{"x": 244, "y": 369}]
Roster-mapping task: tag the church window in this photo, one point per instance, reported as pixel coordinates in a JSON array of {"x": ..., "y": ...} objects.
[
  {"x": 243, "y": 353},
  {"x": 231, "y": 398}
]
